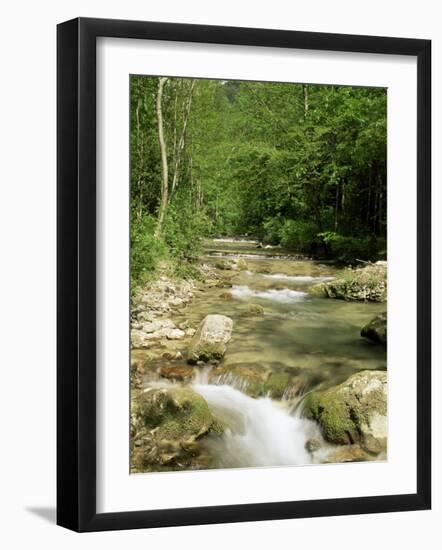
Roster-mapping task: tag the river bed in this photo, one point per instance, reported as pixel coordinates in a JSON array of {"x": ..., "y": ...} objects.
[{"x": 297, "y": 333}]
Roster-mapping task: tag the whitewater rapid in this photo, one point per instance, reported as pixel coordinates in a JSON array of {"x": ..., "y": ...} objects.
[
  {"x": 284, "y": 295},
  {"x": 259, "y": 432}
]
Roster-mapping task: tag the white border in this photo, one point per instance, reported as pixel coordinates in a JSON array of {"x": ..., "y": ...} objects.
[{"x": 116, "y": 489}]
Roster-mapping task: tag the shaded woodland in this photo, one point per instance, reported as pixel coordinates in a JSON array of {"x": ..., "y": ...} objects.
[{"x": 295, "y": 165}]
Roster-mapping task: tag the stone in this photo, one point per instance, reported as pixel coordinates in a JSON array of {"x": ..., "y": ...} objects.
[
  {"x": 365, "y": 284},
  {"x": 151, "y": 326},
  {"x": 209, "y": 342},
  {"x": 167, "y": 424},
  {"x": 376, "y": 329},
  {"x": 254, "y": 310},
  {"x": 177, "y": 372},
  {"x": 223, "y": 264},
  {"x": 175, "y": 334},
  {"x": 256, "y": 380},
  {"x": 241, "y": 264},
  {"x": 347, "y": 453},
  {"x": 353, "y": 412},
  {"x": 139, "y": 339},
  {"x": 312, "y": 444}
]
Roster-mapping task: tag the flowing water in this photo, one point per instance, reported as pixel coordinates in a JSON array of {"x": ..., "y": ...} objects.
[
  {"x": 297, "y": 330},
  {"x": 260, "y": 433},
  {"x": 316, "y": 339}
]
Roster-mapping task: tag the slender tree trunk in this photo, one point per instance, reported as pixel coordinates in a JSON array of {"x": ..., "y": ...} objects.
[
  {"x": 163, "y": 153},
  {"x": 336, "y": 207},
  {"x": 367, "y": 221},
  {"x": 306, "y": 102},
  {"x": 182, "y": 140},
  {"x": 139, "y": 209}
]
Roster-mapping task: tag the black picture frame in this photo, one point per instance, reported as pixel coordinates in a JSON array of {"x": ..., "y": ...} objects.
[{"x": 77, "y": 287}]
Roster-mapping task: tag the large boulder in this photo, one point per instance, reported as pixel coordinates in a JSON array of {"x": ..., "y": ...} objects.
[
  {"x": 376, "y": 329},
  {"x": 166, "y": 426},
  {"x": 353, "y": 412},
  {"x": 209, "y": 342},
  {"x": 365, "y": 284}
]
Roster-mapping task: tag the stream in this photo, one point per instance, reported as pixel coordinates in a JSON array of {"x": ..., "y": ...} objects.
[{"x": 298, "y": 333}]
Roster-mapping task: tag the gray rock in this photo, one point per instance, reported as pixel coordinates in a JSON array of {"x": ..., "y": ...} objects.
[
  {"x": 175, "y": 334},
  {"x": 353, "y": 412},
  {"x": 376, "y": 329},
  {"x": 139, "y": 339},
  {"x": 312, "y": 444},
  {"x": 209, "y": 342}
]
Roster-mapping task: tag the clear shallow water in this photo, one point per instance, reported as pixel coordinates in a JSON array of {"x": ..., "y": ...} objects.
[{"x": 297, "y": 330}]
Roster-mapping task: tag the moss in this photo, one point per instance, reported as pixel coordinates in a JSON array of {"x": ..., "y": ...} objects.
[
  {"x": 337, "y": 425},
  {"x": 367, "y": 284},
  {"x": 344, "y": 412},
  {"x": 276, "y": 384},
  {"x": 167, "y": 424},
  {"x": 318, "y": 290},
  {"x": 217, "y": 427},
  {"x": 242, "y": 264},
  {"x": 207, "y": 352},
  {"x": 257, "y": 380},
  {"x": 175, "y": 412},
  {"x": 254, "y": 310}
]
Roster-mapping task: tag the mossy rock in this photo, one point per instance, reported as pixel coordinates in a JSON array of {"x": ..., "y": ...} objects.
[
  {"x": 367, "y": 284},
  {"x": 312, "y": 445},
  {"x": 318, "y": 290},
  {"x": 253, "y": 310},
  {"x": 209, "y": 342},
  {"x": 223, "y": 265},
  {"x": 254, "y": 380},
  {"x": 352, "y": 412},
  {"x": 241, "y": 264},
  {"x": 376, "y": 329},
  {"x": 167, "y": 424}
]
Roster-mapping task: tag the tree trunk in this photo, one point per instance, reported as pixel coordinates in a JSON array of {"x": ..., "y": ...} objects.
[
  {"x": 163, "y": 153},
  {"x": 336, "y": 207},
  {"x": 182, "y": 140},
  {"x": 139, "y": 209},
  {"x": 306, "y": 103}
]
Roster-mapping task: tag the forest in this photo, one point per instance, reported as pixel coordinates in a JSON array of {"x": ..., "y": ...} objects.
[
  {"x": 258, "y": 274},
  {"x": 297, "y": 165}
]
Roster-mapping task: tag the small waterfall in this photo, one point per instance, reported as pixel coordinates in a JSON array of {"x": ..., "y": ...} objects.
[
  {"x": 284, "y": 295},
  {"x": 260, "y": 433}
]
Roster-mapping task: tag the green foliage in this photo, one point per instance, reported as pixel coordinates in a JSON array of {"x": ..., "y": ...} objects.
[
  {"x": 272, "y": 228},
  {"x": 348, "y": 249},
  {"x": 184, "y": 229},
  {"x": 298, "y": 235},
  {"x": 145, "y": 250},
  {"x": 301, "y": 166}
]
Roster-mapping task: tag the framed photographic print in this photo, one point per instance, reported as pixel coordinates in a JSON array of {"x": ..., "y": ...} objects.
[{"x": 241, "y": 212}]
